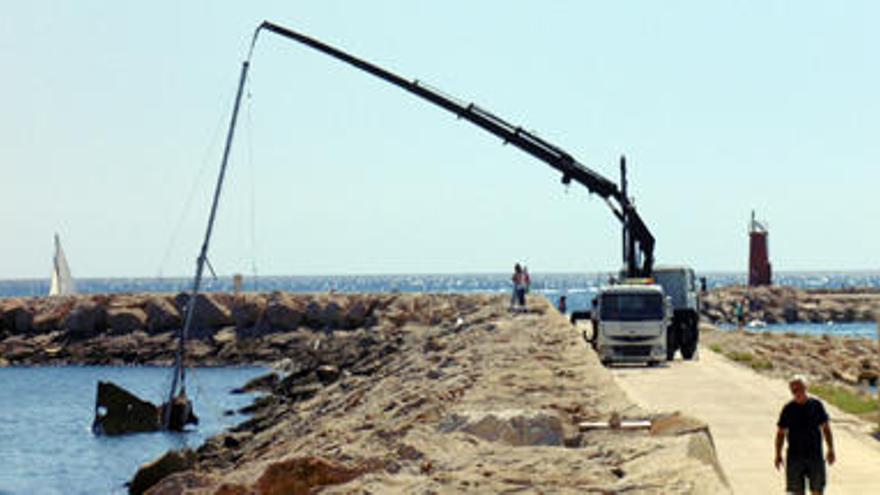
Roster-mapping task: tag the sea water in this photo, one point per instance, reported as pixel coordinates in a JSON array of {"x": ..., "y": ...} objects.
[
  {"x": 46, "y": 443},
  {"x": 864, "y": 330}
]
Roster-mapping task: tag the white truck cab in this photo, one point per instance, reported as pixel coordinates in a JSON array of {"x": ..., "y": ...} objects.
[{"x": 630, "y": 322}]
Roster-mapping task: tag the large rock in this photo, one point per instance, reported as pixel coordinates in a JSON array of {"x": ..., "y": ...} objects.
[
  {"x": 50, "y": 316},
  {"x": 86, "y": 319},
  {"x": 209, "y": 314},
  {"x": 283, "y": 313},
  {"x": 304, "y": 476},
  {"x": 126, "y": 320},
  {"x": 512, "y": 427},
  {"x": 247, "y": 311},
  {"x": 313, "y": 316},
  {"x": 162, "y": 315},
  {"x": 22, "y": 320},
  {"x": 333, "y": 316},
  {"x": 357, "y": 312},
  {"x": 153, "y": 472}
]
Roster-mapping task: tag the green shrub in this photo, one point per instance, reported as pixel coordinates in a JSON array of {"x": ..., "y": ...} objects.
[
  {"x": 741, "y": 357},
  {"x": 845, "y": 399}
]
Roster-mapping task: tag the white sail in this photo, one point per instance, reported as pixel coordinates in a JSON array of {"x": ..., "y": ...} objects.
[{"x": 62, "y": 282}]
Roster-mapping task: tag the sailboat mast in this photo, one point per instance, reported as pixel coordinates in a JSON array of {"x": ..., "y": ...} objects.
[{"x": 179, "y": 368}]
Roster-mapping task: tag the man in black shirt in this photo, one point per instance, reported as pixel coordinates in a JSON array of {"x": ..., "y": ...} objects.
[{"x": 803, "y": 418}]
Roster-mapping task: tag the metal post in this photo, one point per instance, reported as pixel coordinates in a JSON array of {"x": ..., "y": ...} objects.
[
  {"x": 625, "y": 207},
  {"x": 179, "y": 369}
]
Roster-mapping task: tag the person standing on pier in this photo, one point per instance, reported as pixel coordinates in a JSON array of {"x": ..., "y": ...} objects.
[
  {"x": 517, "y": 282},
  {"x": 802, "y": 420},
  {"x": 740, "y": 315}
]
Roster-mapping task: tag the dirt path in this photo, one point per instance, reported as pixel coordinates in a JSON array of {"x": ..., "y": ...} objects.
[{"x": 741, "y": 408}]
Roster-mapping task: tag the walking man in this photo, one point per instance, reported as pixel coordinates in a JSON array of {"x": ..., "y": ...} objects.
[{"x": 801, "y": 420}]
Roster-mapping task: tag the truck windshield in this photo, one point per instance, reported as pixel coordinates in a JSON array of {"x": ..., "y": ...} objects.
[{"x": 632, "y": 307}]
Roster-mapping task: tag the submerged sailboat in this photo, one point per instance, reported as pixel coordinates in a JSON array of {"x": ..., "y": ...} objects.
[{"x": 61, "y": 283}]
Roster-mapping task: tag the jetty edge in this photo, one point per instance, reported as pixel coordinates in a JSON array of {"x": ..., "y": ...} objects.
[
  {"x": 446, "y": 393},
  {"x": 385, "y": 393},
  {"x": 786, "y": 304}
]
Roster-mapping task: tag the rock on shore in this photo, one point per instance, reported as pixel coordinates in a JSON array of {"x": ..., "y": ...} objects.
[
  {"x": 844, "y": 361},
  {"x": 141, "y": 329},
  {"x": 443, "y": 394},
  {"x": 781, "y": 304}
]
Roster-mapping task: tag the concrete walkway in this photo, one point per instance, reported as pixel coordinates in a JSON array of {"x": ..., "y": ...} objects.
[{"x": 741, "y": 408}]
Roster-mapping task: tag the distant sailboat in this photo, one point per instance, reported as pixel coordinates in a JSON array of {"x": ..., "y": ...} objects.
[{"x": 62, "y": 282}]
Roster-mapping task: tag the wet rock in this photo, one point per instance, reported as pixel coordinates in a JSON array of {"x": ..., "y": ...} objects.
[
  {"x": 263, "y": 383},
  {"x": 126, "y": 320},
  {"x": 153, "y": 472}
]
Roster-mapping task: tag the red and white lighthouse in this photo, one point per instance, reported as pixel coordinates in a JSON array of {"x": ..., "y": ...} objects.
[{"x": 759, "y": 261}]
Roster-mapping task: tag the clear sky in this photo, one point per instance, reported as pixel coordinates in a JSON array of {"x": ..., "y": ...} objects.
[{"x": 114, "y": 113}]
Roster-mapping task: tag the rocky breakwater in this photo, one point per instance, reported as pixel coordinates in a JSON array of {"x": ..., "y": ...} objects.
[
  {"x": 443, "y": 394},
  {"x": 782, "y": 304},
  {"x": 142, "y": 328},
  {"x": 843, "y": 361}
]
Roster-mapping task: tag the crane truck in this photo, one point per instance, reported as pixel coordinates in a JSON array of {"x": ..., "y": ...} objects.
[{"x": 638, "y": 242}]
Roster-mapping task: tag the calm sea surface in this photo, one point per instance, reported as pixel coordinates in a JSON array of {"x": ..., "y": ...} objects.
[{"x": 47, "y": 447}]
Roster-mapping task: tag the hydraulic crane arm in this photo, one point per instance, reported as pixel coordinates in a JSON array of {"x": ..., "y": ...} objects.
[{"x": 638, "y": 241}]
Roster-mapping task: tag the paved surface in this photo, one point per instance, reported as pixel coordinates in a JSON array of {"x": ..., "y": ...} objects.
[{"x": 741, "y": 408}]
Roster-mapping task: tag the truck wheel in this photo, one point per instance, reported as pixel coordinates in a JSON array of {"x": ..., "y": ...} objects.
[
  {"x": 689, "y": 346},
  {"x": 671, "y": 342}
]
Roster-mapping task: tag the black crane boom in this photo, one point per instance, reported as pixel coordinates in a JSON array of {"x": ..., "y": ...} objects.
[{"x": 638, "y": 262}]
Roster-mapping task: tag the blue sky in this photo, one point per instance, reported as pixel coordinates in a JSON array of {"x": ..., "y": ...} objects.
[{"x": 113, "y": 117}]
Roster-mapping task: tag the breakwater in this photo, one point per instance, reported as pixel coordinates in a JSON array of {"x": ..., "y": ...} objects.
[
  {"x": 124, "y": 329},
  {"x": 785, "y": 304},
  {"x": 446, "y": 394},
  {"x": 843, "y": 360},
  {"x": 387, "y": 392}
]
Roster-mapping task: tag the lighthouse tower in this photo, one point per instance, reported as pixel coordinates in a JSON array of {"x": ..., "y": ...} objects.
[{"x": 759, "y": 262}]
